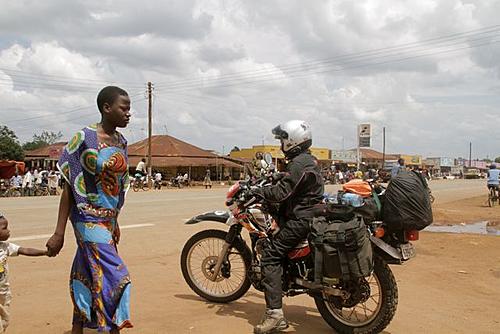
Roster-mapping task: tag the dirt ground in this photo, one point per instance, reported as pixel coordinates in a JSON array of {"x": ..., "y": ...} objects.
[
  {"x": 466, "y": 211},
  {"x": 452, "y": 286}
]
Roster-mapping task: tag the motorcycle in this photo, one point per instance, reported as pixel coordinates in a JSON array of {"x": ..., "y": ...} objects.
[{"x": 220, "y": 267}]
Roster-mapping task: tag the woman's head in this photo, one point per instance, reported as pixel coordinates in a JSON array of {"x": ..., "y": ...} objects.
[{"x": 114, "y": 105}]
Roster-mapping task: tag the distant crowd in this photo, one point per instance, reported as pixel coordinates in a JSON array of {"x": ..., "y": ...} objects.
[{"x": 32, "y": 183}]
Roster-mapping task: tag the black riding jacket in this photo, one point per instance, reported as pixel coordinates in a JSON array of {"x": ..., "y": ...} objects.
[{"x": 299, "y": 190}]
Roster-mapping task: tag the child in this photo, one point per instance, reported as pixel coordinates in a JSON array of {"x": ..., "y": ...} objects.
[{"x": 9, "y": 249}]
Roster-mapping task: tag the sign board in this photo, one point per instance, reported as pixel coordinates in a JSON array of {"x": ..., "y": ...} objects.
[
  {"x": 344, "y": 156},
  {"x": 364, "y": 130},
  {"x": 364, "y": 142},
  {"x": 364, "y": 133},
  {"x": 447, "y": 162},
  {"x": 412, "y": 159}
]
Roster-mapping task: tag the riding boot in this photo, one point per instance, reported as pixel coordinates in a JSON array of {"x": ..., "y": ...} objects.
[{"x": 273, "y": 321}]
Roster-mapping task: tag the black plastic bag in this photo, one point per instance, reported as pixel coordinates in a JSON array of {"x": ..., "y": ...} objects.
[{"x": 407, "y": 205}]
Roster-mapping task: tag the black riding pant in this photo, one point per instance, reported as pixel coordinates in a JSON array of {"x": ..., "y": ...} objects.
[{"x": 275, "y": 251}]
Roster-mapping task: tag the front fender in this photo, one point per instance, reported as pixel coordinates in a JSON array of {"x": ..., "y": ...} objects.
[{"x": 216, "y": 216}]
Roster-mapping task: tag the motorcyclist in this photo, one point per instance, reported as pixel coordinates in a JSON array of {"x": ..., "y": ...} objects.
[{"x": 297, "y": 192}]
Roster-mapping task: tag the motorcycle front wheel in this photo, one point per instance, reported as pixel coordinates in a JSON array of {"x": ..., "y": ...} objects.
[
  {"x": 198, "y": 259},
  {"x": 374, "y": 311}
]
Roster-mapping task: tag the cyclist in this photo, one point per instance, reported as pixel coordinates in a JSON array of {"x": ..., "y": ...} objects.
[{"x": 494, "y": 178}]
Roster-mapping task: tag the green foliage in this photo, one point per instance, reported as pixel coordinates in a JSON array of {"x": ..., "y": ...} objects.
[
  {"x": 10, "y": 149},
  {"x": 46, "y": 138},
  {"x": 497, "y": 159}
]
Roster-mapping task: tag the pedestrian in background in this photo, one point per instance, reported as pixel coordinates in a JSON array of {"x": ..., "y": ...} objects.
[
  {"x": 398, "y": 167},
  {"x": 207, "y": 182}
]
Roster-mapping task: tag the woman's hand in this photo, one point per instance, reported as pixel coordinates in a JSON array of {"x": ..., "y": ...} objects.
[
  {"x": 116, "y": 233},
  {"x": 54, "y": 244}
]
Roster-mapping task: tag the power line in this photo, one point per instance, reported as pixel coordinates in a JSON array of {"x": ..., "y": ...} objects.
[
  {"x": 297, "y": 74},
  {"x": 60, "y": 113},
  {"x": 384, "y": 52},
  {"x": 48, "y": 122},
  {"x": 61, "y": 78}
]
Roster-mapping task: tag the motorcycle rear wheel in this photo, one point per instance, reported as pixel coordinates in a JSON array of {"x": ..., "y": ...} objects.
[
  {"x": 208, "y": 245},
  {"x": 387, "y": 294}
]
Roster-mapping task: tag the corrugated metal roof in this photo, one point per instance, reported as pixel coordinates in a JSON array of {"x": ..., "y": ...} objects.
[
  {"x": 367, "y": 153},
  {"x": 167, "y": 146},
  {"x": 184, "y": 162},
  {"x": 47, "y": 151}
]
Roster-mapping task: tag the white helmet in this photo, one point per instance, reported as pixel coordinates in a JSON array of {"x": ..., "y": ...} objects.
[{"x": 293, "y": 134}]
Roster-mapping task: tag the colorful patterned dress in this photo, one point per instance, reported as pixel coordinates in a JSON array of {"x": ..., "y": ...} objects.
[{"x": 100, "y": 282}]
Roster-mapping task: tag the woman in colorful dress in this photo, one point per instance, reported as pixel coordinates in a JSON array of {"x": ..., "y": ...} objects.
[{"x": 94, "y": 165}]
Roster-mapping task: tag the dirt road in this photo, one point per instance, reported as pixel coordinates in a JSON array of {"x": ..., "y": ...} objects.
[{"x": 450, "y": 287}]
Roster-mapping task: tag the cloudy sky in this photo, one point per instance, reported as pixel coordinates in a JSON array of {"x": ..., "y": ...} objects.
[{"x": 226, "y": 72}]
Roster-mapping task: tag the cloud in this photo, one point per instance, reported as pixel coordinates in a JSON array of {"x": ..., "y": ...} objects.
[{"x": 225, "y": 73}]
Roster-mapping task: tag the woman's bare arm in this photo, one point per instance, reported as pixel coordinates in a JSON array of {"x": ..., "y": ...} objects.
[{"x": 56, "y": 242}]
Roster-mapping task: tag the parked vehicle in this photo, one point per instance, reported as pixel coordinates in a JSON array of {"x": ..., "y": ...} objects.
[
  {"x": 220, "y": 267},
  {"x": 472, "y": 173}
]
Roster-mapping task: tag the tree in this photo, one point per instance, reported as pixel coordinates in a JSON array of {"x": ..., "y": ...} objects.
[
  {"x": 497, "y": 159},
  {"x": 10, "y": 149},
  {"x": 46, "y": 138}
]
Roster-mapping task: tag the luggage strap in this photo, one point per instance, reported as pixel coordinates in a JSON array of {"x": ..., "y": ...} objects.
[
  {"x": 340, "y": 238},
  {"x": 318, "y": 252}
]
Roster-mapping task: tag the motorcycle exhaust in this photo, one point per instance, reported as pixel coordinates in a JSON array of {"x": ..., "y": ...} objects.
[{"x": 320, "y": 287}]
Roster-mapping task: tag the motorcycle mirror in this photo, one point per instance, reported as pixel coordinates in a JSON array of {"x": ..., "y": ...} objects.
[{"x": 268, "y": 158}]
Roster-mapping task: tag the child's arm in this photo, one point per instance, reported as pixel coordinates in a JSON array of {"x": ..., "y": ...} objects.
[{"x": 31, "y": 251}]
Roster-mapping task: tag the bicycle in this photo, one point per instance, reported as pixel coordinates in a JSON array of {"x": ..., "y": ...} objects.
[
  {"x": 492, "y": 197},
  {"x": 140, "y": 184},
  {"x": 41, "y": 190},
  {"x": 11, "y": 192}
]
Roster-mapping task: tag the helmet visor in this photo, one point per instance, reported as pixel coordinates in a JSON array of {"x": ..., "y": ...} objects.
[{"x": 279, "y": 133}]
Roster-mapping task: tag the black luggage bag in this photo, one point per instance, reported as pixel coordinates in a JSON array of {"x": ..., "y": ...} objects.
[{"x": 342, "y": 249}]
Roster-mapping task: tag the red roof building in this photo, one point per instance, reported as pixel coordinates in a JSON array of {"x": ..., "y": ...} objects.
[{"x": 174, "y": 156}]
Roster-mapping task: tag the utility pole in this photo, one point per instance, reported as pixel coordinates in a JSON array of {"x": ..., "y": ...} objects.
[
  {"x": 150, "y": 126},
  {"x": 470, "y": 154},
  {"x": 383, "y": 150},
  {"x": 357, "y": 156}
]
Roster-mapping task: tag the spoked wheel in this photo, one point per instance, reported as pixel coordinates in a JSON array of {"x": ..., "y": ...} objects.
[
  {"x": 492, "y": 197},
  {"x": 370, "y": 307},
  {"x": 13, "y": 193},
  {"x": 135, "y": 186},
  {"x": 198, "y": 259}
]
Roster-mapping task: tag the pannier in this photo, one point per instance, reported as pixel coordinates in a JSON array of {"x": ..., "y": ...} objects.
[
  {"x": 342, "y": 248},
  {"x": 407, "y": 205}
]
